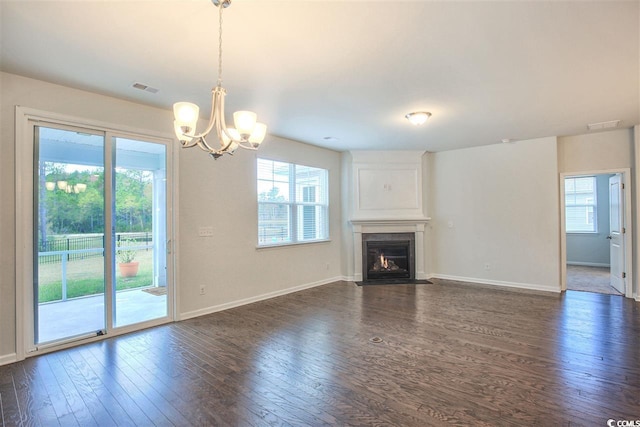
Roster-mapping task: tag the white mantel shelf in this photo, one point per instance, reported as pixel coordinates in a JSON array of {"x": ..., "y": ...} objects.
[{"x": 395, "y": 221}]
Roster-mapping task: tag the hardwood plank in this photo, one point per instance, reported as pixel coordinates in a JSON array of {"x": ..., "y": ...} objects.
[
  {"x": 10, "y": 413},
  {"x": 34, "y": 399},
  {"x": 126, "y": 379},
  {"x": 451, "y": 354},
  {"x": 94, "y": 386}
]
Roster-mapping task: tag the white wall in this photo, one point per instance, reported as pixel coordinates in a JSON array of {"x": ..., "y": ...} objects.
[
  {"x": 497, "y": 205},
  {"x": 596, "y": 151},
  {"x": 347, "y": 203},
  {"x": 220, "y": 193}
]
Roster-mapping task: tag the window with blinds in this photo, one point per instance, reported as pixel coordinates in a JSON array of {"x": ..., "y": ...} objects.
[
  {"x": 581, "y": 204},
  {"x": 293, "y": 203}
]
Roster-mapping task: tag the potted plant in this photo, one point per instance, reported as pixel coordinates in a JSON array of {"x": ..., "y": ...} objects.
[{"x": 126, "y": 256}]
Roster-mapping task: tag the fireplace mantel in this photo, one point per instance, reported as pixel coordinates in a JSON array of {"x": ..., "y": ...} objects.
[
  {"x": 411, "y": 222},
  {"x": 386, "y": 196},
  {"x": 404, "y": 225}
]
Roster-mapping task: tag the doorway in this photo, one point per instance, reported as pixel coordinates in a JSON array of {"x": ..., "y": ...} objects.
[
  {"x": 595, "y": 251},
  {"x": 96, "y": 225}
]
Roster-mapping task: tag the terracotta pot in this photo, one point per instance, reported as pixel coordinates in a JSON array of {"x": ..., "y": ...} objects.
[{"x": 128, "y": 269}]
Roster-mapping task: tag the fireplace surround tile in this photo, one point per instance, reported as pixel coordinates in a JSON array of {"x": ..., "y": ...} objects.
[{"x": 414, "y": 226}]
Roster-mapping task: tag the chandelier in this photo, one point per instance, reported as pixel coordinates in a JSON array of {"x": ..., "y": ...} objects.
[{"x": 247, "y": 133}]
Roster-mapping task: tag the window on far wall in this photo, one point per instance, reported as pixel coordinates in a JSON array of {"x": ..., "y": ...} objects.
[
  {"x": 293, "y": 203},
  {"x": 581, "y": 204}
]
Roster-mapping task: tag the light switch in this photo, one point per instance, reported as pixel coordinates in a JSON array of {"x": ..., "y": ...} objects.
[{"x": 205, "y": 231}]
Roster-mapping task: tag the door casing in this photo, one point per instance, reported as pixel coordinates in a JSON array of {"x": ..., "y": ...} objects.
[
  {"x": 25, "y": 118},
  {"x": 616, "y": 236},
  {"x": 628, "y": 256}
]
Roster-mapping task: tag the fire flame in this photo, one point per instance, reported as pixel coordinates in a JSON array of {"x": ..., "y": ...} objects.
[{"x": 383, "y": 261}]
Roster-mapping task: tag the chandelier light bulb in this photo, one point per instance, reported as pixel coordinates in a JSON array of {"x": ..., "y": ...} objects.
[
  {"x": 226, "y": 140},
  {"x": 186, "y": 114},
  {"x": 245, "y": 121},
  {"x": 259, "y": 132}
]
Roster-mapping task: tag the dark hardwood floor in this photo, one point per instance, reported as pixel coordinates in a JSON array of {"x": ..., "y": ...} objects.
[{"x": 450, "y": 354}]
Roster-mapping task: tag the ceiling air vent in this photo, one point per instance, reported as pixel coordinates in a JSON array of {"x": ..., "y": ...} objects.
[
  {"x": 604, "y": 125},
  {"x": 145, "y": 88}
]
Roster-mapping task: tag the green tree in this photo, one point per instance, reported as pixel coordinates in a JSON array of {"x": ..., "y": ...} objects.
[
  {"x": 74, "y": 211},
  {"x": 133, "y": 200}
]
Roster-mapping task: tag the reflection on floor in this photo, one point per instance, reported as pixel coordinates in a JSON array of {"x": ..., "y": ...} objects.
[
  {"x": 58, "y": 320},
  {"x": 590, "y": 279}
]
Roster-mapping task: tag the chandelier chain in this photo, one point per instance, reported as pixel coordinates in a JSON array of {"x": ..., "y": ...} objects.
[{"x": 220, "y": 7}]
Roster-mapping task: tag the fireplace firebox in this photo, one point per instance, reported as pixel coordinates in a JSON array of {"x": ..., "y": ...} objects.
[{"x": 388, "y": 256}]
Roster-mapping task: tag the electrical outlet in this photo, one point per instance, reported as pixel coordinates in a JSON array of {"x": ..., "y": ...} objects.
[
  {"x": 327, "y": 266},
  {"x": 201, "y": 289},
  {"x": 487, "y": 266}
]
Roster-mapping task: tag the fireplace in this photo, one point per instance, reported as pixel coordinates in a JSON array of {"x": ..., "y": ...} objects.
[{"x": 388, "y": 256}]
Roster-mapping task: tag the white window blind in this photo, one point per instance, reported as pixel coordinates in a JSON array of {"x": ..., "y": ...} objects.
[
  {"x": 581, "y": 204},
  {"x": 293, "y": 203}
]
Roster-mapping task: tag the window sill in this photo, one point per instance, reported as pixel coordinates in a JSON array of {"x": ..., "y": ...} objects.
[{"x": 286, "y": 245}]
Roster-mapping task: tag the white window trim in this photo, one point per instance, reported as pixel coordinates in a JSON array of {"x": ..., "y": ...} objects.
[{"x": 292, "y": 204}]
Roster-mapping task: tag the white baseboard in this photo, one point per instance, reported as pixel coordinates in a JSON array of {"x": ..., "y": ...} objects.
[
  {"x": 8, "y": 358},
  {"x": 238, "y": 303},
  {"x": 528, "y": 286},
  {"x": 588, "y": 264}
]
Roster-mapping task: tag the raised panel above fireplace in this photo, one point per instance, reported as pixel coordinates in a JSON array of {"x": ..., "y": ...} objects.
[
  {"x": 387, "y": 185},
  {"x": 383, "y": 189}
]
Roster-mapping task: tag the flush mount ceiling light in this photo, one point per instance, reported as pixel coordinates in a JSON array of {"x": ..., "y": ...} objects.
[
  {"x": 247, "y": 133},
  {"x": 417, "y": 118}
]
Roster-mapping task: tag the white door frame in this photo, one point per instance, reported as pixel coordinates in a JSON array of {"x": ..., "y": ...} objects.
[
  {"x": 24, "y": 119},
  {"x": 628, "y": 248}
]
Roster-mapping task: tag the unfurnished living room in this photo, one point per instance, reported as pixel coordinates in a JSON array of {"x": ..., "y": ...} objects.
[{"x": 314, "y": 212}]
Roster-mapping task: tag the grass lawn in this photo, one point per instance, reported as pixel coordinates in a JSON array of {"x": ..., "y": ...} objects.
[{"x": 86, "y": 277}]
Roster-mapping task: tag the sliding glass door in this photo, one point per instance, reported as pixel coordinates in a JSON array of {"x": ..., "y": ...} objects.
[
  {"x": 100, "y": 231},
  {"x": 140, "y": 237},
  {"x": 69, "y": 262}
]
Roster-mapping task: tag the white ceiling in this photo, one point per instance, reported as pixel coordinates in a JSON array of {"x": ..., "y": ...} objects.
[{"x": 350, "y": 69}]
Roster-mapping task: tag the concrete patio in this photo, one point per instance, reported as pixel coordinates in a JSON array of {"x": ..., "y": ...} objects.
[{"x": 79, "y": 316}]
